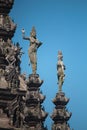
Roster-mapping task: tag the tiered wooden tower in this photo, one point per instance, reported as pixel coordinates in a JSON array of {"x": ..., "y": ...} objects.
[
  {"x": 34, "y": 112},
  {"x": 60, "y": 114},
  {"x": 12, "y": 84}
]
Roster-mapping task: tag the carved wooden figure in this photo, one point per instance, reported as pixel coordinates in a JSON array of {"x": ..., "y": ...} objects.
[{"x": 34, "y": 45}]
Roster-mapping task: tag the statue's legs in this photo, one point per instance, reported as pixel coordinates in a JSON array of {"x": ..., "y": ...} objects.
[
  {"x": 60, "y": 86},
  {"x": 33, "y": 61},
  {"x": 61, "y": 80}
]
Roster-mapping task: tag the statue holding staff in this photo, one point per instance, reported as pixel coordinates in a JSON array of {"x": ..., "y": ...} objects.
[
  {"x": 60, "y": 70},
  {"x": 32, "y": 51}
]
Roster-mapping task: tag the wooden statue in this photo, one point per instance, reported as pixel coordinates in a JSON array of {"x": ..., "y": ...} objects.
[
  {"x": 60, "y": 70},
  {"x": 34, "y": 45}
]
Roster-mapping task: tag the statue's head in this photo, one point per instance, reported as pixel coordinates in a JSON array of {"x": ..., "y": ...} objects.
[
  {"x": 60, "y": 56},
  {"x": 33, "y": 32}
]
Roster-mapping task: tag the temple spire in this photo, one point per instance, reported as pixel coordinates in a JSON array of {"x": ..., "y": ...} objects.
[
  {"x": 35, "y": 114},
  {"x": 60, "y": 114},
  {"x": 12, "y": 83}
]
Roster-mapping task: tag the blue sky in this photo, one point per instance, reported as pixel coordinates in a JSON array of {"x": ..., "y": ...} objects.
[{"x": 60, "y": 25}]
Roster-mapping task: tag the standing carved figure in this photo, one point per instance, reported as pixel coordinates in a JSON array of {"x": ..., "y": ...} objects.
[
  {"x": 60, "y": 70},
  {"x": 32, "y": 51}
]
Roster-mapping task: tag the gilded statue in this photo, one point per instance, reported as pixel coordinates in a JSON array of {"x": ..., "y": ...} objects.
[{"x": 32, "y": 51}]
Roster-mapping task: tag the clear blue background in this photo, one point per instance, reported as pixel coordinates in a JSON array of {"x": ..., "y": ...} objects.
[{"x": 60, "y": 25}]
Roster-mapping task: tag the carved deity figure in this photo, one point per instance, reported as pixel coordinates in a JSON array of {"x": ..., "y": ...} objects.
[
  {"x": 60, "y": 70},
  {"x": 10, "y": 56},
  {"x": 32, "y": 51}
]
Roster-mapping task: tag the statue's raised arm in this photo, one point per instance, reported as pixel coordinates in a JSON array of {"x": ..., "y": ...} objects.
[
  {"x": 23, "y": 35},
  {"x": 34, "y": 45}
]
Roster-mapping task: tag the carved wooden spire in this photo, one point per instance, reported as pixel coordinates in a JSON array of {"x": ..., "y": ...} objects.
[
  {"x": 12, "y": 83},
  {"x": 60, "y": 115}
]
